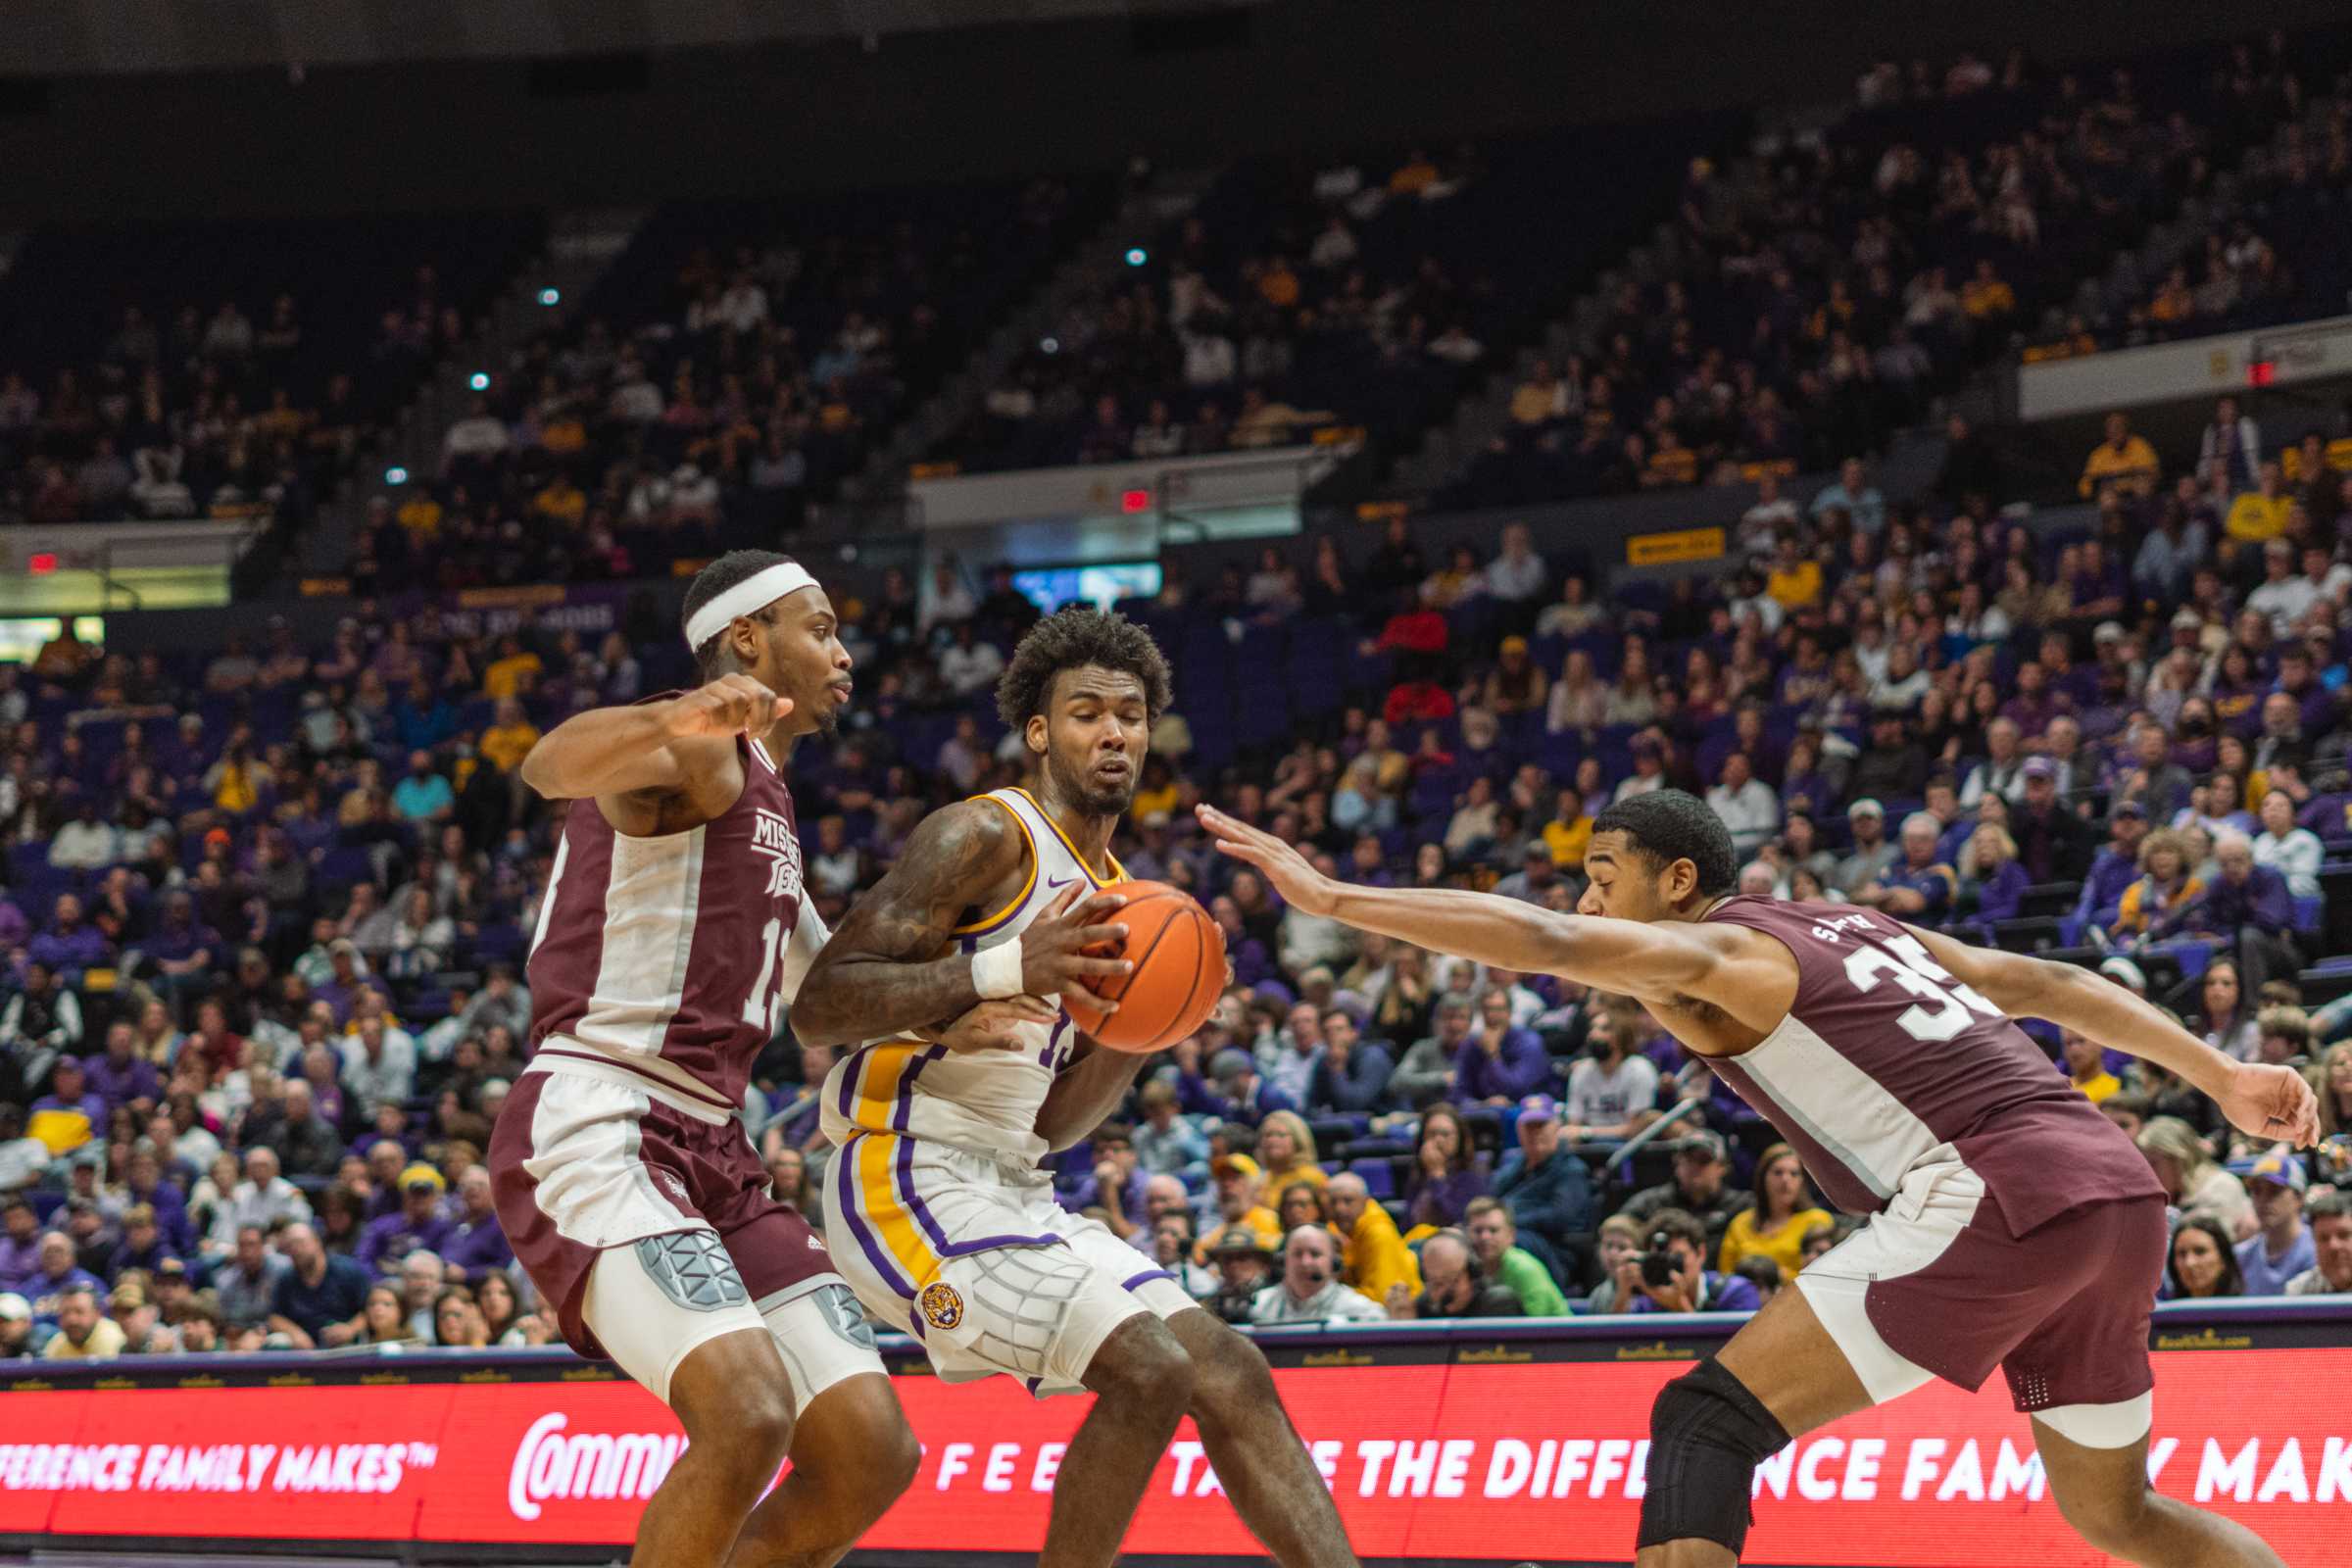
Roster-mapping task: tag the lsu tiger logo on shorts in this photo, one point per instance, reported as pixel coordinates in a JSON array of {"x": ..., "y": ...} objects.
[{"x": 942, "y": 1305}]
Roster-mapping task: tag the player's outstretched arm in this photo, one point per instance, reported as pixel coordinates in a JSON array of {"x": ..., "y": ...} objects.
[
  {"x": 1623, "y": 956},
  {"x": 648, "y": 746},
  {"x": 2262, "y": 1101},
  {"x": 883, "y": 972}
]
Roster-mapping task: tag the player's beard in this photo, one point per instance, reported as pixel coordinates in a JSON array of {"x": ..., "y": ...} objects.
[{"x": 1088, "y": 797}]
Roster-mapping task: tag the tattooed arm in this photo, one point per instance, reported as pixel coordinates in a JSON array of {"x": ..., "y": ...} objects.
[{"x": 882, "y": 973}]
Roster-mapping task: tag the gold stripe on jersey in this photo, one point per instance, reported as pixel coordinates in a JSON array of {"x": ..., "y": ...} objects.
[{"x": 1029, "y": 842}]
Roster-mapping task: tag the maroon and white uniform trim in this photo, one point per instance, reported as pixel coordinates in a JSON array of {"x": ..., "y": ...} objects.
[
  {"x": 658, "y": 971},
  {"x": 2015, "y": 1226},
  {"x": 672, "y": 955}
]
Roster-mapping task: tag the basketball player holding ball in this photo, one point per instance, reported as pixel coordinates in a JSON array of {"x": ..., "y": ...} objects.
[{"x": 938, "y": 1213}]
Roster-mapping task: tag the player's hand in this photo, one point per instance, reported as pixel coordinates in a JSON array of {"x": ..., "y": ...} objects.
[
  {"x": 1054, "y": 956},
  {"x": 1299, "y": 883},
  {"x": 997, "y": 1025},
  {"x": 2273, "y": 1103},
  {"x": 732, "y": 704}
]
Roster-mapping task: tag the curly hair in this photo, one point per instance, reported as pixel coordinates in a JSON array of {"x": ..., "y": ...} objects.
[{"x": 1071, "y": 638}]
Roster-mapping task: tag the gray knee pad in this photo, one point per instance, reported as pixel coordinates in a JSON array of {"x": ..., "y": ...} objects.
[
  {"x": 692, "y": 1269},
  {"x": 1708, "y": 1434}
]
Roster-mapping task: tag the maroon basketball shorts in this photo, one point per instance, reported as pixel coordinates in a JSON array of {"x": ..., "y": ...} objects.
[
  {"x": 1936, "y": 1286},
  {"x": 646, "y": 1220}
]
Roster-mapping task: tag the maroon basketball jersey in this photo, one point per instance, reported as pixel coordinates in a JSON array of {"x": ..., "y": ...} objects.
[
  {"x": 1885, "y": 1057},
  {"x": 669, "y": 955}
]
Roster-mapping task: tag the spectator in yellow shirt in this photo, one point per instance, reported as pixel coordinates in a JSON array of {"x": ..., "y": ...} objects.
[
  {"x": 508, "y": 674},
  {"x": 1794, "y": 580},
  {"x": 1373, "y": 1257},
  {"x": 1984, "y": 296},
  {"x": 1671, "y": 463},
  {"x": 420, "y": 514},
  {"x": 1569, "y": 833},
  {"x": 2124, "y": 461},
  {"x": 83, "y": 1332},
  {"x": 1777, "y": 1226},
  {"x": 561, "y": 501},
  {"x": 509, "y": 741},
  {"x": 2262, "y": 513},
  {"x": 2086, "y": 1068},
  {"x": 1416, "y": 174},
  {"x": 1279, "y": 285},
  {"x": 1240, "y": 1206},
  {"x": 2175, "y": 302}
]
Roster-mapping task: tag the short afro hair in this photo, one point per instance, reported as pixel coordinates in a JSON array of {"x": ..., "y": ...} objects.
[
  {"x": 1670, "y": 826},
  {"x": 1072, "y": 637},
  {"x": 733, "y": 568}
]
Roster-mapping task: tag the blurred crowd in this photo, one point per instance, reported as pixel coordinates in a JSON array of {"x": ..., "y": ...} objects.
[
  {"x": 1956, "y": 219},
  {"x": 268, "y": 904},
  {"x": 265, "y": 930}
]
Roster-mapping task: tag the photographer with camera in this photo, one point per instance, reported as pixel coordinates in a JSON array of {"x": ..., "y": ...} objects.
[{"x": 1669, "y": 1273}]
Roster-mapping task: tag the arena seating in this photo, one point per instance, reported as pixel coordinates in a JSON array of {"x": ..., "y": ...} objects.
[
  {"x": 1364, "y": 292},
  {"x": 273, "y": 858},
  {"x": 244, "y": 405},
  {"x": 1902, "y": 249}
]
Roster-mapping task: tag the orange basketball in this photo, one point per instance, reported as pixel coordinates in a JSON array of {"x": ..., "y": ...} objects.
[{"x": 1179, "y": 957}]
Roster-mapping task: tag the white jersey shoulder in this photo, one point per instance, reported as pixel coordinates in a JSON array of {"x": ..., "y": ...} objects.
[{"x": 985, "y": 1101}]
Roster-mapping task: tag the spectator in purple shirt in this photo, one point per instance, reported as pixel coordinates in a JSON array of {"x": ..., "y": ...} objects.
[
  {"x": 1234, "y": 1091},
  {"x": 418, "y": 1224},
  {"x": 1499, "y": 1065},
  {"x": 2298, "y": 680},
  {"x": 143, "y": 1246},
  {"x": 2116, "y": 867},
  {"x": 475, "y": 1242},
  {"x": 1112, "y": 1179},
  {"x": 146, "y": 1184},
  {"x": 57, "y": 1273},
  {"x": 1248, "y": 954},
  {"x": 2248, "y": 909},
  {"x": 183, "y": 948},
  {"x": 20, "y": 1243},
  {"x": 67, "y": 944},
  {"x": 121, "y": 1076}
]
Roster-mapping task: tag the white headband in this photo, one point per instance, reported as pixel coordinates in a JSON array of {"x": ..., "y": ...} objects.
[{"x": 748, "y": 597}]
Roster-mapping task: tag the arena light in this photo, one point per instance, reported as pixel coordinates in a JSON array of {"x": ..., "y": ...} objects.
[
  {"x": 41, "y": 562},
  {"x": 1049, "y": 345},
  {"x": 1137, "y": 256},
  {"x": 479, "y": 380},
  {"x": 1134, "y": 501},
  {"x": 551, "y": 296},
  {"x": 2262, "y": 372},
  {"x": 396, "y": 474}
]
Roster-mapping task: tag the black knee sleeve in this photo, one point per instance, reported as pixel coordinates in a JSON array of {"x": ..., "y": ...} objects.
[{"x": 1706, "y": 1435}]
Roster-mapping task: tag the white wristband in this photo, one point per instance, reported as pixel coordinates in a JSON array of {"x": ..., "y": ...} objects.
[{"x": 997, "y": 971}]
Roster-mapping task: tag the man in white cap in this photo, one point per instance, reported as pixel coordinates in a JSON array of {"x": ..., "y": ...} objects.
[
  {"x": 15, "y": 1328},
  {"x": 1872, "y": 851},
  {"x": 2283, "y": 1249}
]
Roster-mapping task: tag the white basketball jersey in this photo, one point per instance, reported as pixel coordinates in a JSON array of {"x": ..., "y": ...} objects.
[{"x": 983, "y": 1100}]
